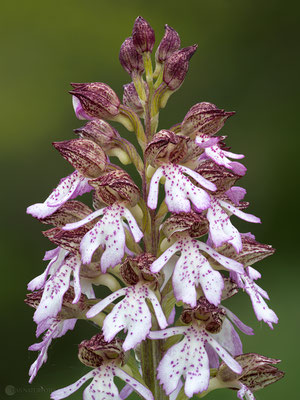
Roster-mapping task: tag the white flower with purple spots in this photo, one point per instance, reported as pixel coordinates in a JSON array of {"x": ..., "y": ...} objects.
[
  {"x": 246, "y": 282},
  {"x": 192, "y": 269},
  {"x": 179, "y": 190},
  {"x": 61, "y": 267},
  {"x": 189, "y": 359},
  {"x": 56, "y": 328},
  {"x": 102, "y": 386},
  {"x": 109, "y": 233},
  {"x": 221, "y": 157},
  {"x": 221, "y": 229},
  {"x": 131, "y": 314},
  {"x": 70, "y": 187}
]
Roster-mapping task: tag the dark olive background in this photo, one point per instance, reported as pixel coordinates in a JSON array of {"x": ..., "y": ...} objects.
[{"x": 247, "y": 61}]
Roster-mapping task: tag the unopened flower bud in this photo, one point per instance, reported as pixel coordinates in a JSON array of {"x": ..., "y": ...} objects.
[
  {"x": 130, "y": 59},
  {"x": 251, "y": 253},
  {"x": 169, "y": 43},
  {"x": 131, "y": 98},
  {"x": 257, "y": 372},
  {"x": 68, "y": 240},
  {"x": 166, "y": 146},
  {"x": 116, "y": 186},
  {"x": 192, "y": 223},
  {"x": 94, "y": 352},
  {"x": 94, "y": 100},
  {"x": 143, "y": 36},
  {"x": 135, "y": 269},
  {"x": 204, "y": 118},
  {"x": 85, "y": 155},
  {"x": 176, "y": 67},
  {"x": 211, "y": 315},
  {"x": 100, "y": 131}
]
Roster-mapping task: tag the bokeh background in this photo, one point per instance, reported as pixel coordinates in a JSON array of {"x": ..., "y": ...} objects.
[{"x": 247, "y": 61}]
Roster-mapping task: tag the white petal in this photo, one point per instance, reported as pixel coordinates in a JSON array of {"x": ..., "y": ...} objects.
[
  {"x": 97, "y": 308},
  {"x": 78, "y": 224},
  {"x": 164, "y": 258},
  {"x": 229, "y": 339},
  {"x": 67, "y": 391},
  {"x": 135, "y": 230},
  {"x": 239, "y": 213},
  {"x": 242, "y": 327},
  {"x": 161, "y": 319},
  {"x": 153, "y": 191},
  {"x": 228, "y": 263},
  {"x": 202, "y": 181},
  {"x": 165, "y": 333}
]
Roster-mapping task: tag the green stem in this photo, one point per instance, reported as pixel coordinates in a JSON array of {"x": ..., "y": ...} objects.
[{"x": 151, "y": 350}]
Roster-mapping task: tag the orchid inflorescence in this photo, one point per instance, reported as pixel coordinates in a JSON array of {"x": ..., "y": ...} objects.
[{"x": 169, "y": 261}]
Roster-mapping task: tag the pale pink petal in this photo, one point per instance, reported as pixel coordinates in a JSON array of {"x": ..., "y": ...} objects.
[
  {"x": 229, "y": 339},
  {"x": 154, "y": 187},
  {"x": 233, "y": 155},
  {"x": 76, "y": 278},
  {"x": 79, "y": 111},
  {"x": 229, "y": 361},
  {"x": 137, "y": 386},
  {"x": 242, "y": 327},
  {"x": 172, "y": 315},
  {"x": 253, "y": 273},
  {"x": 236, "y": 194},
  {"x": 78, "y": 224},
  {"x": 125, "y": 392},
  {"x": 67, "y": 391},
  {"x": 204, "y": 141},
  {"x": 49, "y": 254},
  {"x": 238, "y": 168},
  {"x": 97, "y": 308}
]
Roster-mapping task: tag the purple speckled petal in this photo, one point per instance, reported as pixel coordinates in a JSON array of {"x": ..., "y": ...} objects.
[
  {"x": 245, "y": 392},
  {"x": 131, "y": 314},
  {"x": 103, "y": 386},
  {"x": 261, "y": 309},
  {"x": 164, "y": 258},
  {"x": 228, "y": 263},
  {"x": 134, "y": 228},
  {"x": 68, "y": 390},
  {"x": 220, "y": 156},
  {"x": 160, "y": 316},
  {"x": 193, "y": 269},
  {"x": 64, "y": 192},
  {"x": 55, "y": 330},
  {"x": 198, "y": 178},
  {"x": 78, "y": 224},
  {"x": 39, "y": 281},
  {"x": 166, "y": 333},
  {"x": 97, "y": 308},
  {"x": 154, "y": 188},
  {"x": 189, "y": 359},
  {"x": 204, "y": 141},
  {"x": 239, "y": 213},
  {"x": 229, "y": 361},
  {"x": 51, "y": 302},
  {"x": 220, "y": 228},
  {"x": 137, "y": 386}
]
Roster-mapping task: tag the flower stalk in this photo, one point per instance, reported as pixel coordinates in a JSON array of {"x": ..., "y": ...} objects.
[{"x": 170, "y": 264}]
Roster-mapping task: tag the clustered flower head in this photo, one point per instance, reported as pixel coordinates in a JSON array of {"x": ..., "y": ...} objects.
[{"x": 163, "y": 241}]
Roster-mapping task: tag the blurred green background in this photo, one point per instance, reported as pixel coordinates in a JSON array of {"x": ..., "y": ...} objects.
[{"x": 247, "y": 61}]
